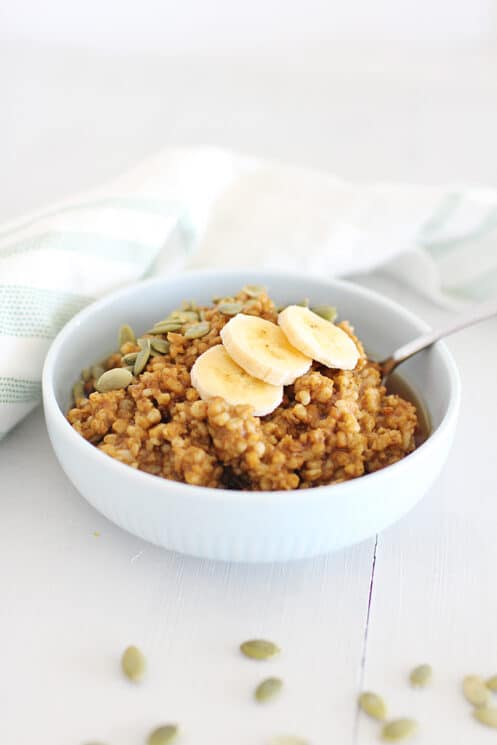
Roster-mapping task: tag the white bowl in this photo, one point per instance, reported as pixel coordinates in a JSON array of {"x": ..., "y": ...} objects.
[{"x": 237, "y": 525}]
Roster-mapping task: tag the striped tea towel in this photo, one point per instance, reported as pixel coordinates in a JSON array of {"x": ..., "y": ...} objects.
[{"x": 210, "y": 207}]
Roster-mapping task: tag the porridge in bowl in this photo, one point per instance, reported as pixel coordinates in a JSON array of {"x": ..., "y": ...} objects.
[{"x": 243, "y": 395}]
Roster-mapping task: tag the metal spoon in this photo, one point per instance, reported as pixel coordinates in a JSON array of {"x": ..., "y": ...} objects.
[{"x": 475, "y": 315}]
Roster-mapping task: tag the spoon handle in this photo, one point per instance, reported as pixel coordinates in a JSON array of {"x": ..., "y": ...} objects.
[{"x": 474, "y": 315}]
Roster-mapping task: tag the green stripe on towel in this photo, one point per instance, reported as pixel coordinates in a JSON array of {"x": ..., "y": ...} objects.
[
  {"x": 29, "y": 311},
  {"x": 15, "y": 391}
]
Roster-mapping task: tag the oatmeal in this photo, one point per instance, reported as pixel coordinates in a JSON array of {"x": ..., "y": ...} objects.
[{"x": 327, "y": 426}]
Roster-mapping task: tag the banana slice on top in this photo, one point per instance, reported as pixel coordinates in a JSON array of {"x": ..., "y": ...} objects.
[
  {"x": 216, "y": 374},
  {"x": 262, "y": 349},
  {"x": 318, "y": 338}
]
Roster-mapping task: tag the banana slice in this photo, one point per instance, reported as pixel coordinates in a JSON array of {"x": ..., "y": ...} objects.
[
  {"x": 262, "y": 349},
  {"x": 318, "y": 338},
  {"x": 215, "y": 374}
]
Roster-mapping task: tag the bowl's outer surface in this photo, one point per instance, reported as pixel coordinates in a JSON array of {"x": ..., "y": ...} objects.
[{"x": 248, "y": 526}]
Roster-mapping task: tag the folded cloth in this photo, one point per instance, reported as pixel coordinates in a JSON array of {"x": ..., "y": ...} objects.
[{"x": 209, "y": 207}]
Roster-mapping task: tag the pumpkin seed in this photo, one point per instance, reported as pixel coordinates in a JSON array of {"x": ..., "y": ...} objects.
[
  {"x": 259, "y": 649},
  {"x": 253, "y": 290},
  {"x": 160, "y": 345},
  {"x": 86, "y": 374},
  {"x": 197, "y": 330},
  {"x": 421, "y": 676},
  {"x": 130, "y": 359},
  {"x": 164, "y": 327},
  {"x": 288, "y": 740},
  {"x": 143, "y": 355},
  {"x": 268, "y": 689},
  {"x": 78, "y": 391},
  {"x": 475, "y": 690},
  {"x": 183, "y": 316},
  {"x": 229, "y": 309},
  {"x": 163, "y": 735},
  {"x": 113, "y": 380},
  {"x": 133, "y": 663},
  {"x": 130, "y": 368},
  {"x": 492, "y": 683},
  {"x": 97, "y": 371},
  {"x": 126, "y": 333},
  {"x": 399, "y": 729},
  {"x": 328, "y": 312},
  {"x": 373, "y": 705},
  {"x": 486, "y": 715}
]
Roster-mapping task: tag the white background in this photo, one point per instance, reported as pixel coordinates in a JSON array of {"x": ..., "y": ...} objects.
[{"x": 371, "y": 91}]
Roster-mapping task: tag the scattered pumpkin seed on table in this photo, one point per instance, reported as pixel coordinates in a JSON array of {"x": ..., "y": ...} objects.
[
  {"x": 163, "y": 735},
  {"x": 399, "y": 729},
  {"x": 259, "y": 649},
  {"x": 133, "y": 663},
  {"x": 486, "y": 715},
  {"x": 126, "y": 334},
  {"x": 198, "y": 330},
  {"x": 492, "y": 683},
  {"x": 229, "y": 309},
  {"x": 421, "y": 676},
  {"x": 113, "y": 380},
  {"x": 268, "y": 689},
  {"x": 475, "y": 691},
  {"x": 143, "y": 355},
  {"x": 373, "y": 705}
]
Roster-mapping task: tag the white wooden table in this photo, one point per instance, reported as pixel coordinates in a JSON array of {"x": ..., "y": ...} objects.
[{"x": 75, "y": 590}]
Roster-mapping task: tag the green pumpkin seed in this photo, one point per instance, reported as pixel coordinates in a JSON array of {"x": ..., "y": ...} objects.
[
  {"x": 133, "y": 663},
  {"x": 78, "y": 391},
  {"x": 183, "y": 316},
  {"x": 399, "y": 729},
  {"x": 198, "y": 330},
  {"x": 373, "y": 705},
  {"x": 163, "y": 735},
  {"x": 328, "y": 312},
  {"x": 421, "y": 676},
  {"x": 113, "y": 380},
  {"x": 160, "y": 345},
  {"x": 475, "y": 690},
  {"x": 486, "y": 715},
  {"x": 288, "y": 740},
  {"x": 130, "y": 359},
  {"x": 97, "y": 371},
  {"x": 268, "y": 689},
  {"x": 126, "y": 334},
  {"x": 229, "y": 309},
  {"x": 143, "y": 355},
  {"x": 86, "y": 374},
  {"x": 253, "y": 290},
  {"x": 259, "y": 649},
  {"x": 492, "y": 683},
  {"x": 130, "y": 368},
  {"x": 165, "y": 327}
]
